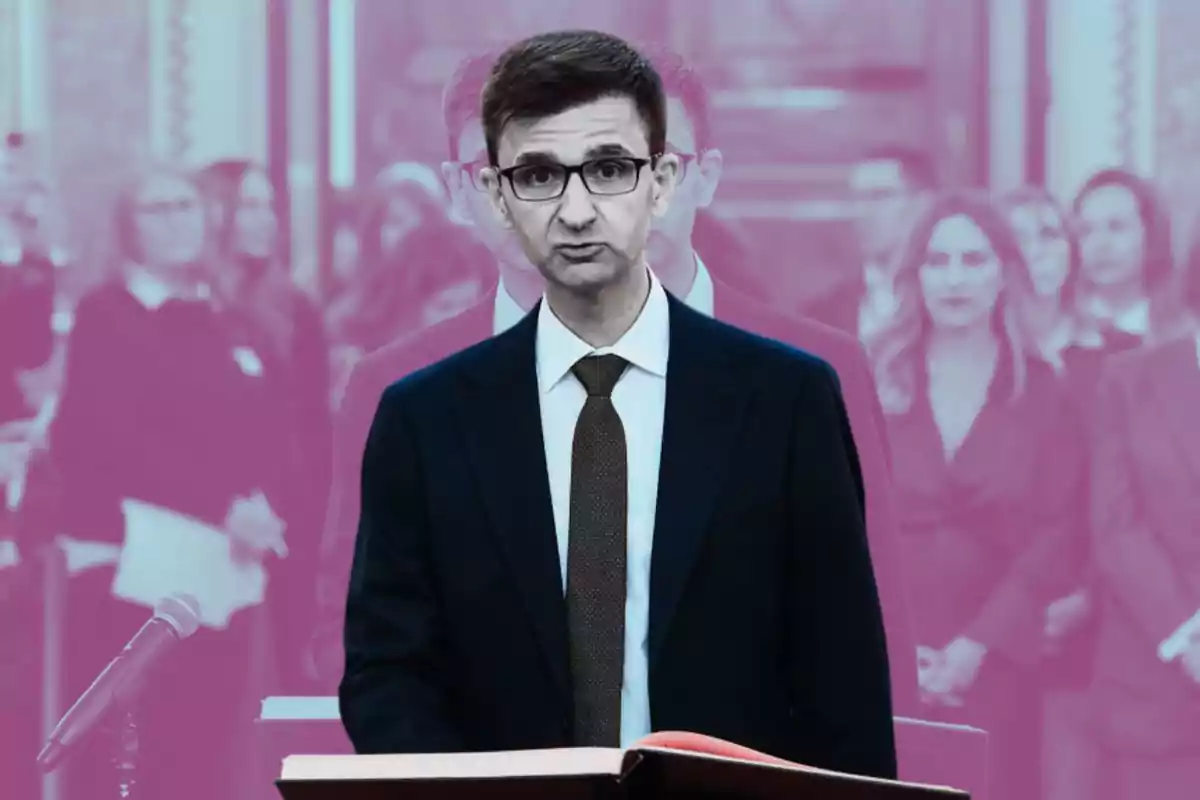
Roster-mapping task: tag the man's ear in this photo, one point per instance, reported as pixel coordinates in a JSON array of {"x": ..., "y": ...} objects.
[
  {"x": 709, "y": 165},
  {"x": 666, "y": 178},
  {"x": 494, "y": 186}
]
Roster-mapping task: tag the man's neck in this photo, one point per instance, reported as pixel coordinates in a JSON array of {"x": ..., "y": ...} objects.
[{"x": 603, "y": 318}]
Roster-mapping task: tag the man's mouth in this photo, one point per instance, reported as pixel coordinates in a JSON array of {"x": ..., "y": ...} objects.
[{"x": 580, "y": 251}]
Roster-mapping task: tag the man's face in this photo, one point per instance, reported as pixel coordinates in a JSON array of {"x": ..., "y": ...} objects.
[
  {"x": 699, "y": 174},
  {"x": 884, "y": 201},
  {"x": 583, "y": 230}
]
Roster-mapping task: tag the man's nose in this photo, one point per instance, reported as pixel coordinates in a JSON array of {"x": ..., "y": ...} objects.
[{"x": 577, "y": 208}]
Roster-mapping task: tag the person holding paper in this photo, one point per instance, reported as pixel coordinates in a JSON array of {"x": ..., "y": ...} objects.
[
  {"x": 618, "y": 516},
  {"x": 160, "y": 409},
  {"x": 1146, "y": 528}
]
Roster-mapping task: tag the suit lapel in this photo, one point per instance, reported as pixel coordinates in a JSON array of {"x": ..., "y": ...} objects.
[
  {"x": 499, "y": 411},
  {"x": 706, "y": 399}
]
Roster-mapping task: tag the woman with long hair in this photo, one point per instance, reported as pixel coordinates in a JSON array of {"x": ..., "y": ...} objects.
[
  {"x": 160, "y": 408},
  {"x": 284, "y": 330},
  {"x": 1126, "y": 263},
  {"x": 1054, "y": 320},
  {"x": 971, "y": 413}
]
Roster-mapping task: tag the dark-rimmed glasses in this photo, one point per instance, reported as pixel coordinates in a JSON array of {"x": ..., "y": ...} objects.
[{"x": 608, "y": 176}]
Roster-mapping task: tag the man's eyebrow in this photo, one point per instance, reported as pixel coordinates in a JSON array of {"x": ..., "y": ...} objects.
[
  {"x": 535, "y": 157},
  {"x": 611, "y": 149}
]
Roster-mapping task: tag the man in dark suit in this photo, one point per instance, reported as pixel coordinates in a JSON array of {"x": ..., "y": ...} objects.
[
  {"x": 1145, "y": 503},
  {"x": 618, "y": 515},
  {"x": 682, "y": 273},
  {"x": 887, "y": 185}
]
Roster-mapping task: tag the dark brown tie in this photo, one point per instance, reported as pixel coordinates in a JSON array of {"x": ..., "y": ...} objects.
[{"x": 596, "y": 556}]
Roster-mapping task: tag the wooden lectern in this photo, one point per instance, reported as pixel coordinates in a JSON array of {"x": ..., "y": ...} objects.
[{"x": 662, "y": 766}]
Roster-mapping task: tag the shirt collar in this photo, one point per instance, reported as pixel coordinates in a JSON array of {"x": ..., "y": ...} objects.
[
  {"x": 507, "y": 313},
  {"x": 1134, "y": 320},
  {"x": 644, "y": 345},
  {"x": 152, "y": 291}
]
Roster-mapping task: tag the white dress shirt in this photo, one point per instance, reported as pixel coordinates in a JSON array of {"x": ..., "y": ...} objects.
[{"x": 640, "y": 401}]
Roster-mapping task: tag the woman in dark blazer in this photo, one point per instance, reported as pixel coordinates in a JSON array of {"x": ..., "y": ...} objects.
[
  {"x": 161, "y": 403},
  {"x": 982, "y": 510},
  {"x": 270, "y": 315},
  {"x": 1146, "y": 544}
]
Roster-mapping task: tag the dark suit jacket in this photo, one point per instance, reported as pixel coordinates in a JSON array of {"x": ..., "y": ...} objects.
[
  {"x": 1145, "y": 504},
  {"x": 375, "y": 372},
  {"x": 982, "y": 528},
  {"x": 765, "y": 626}
]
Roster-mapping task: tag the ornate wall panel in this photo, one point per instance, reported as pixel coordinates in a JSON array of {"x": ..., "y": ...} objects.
[{"x": 99, "y": 105}]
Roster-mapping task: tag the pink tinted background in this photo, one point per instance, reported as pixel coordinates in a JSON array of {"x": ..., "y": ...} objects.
[{"x": 340, "y": 102}]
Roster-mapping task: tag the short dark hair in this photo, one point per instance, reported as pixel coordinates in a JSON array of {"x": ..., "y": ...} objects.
[
  {"x": 915, "y": 165},
  {"x": 550, "y": 73},
  {"x": 461, "y": 97}
]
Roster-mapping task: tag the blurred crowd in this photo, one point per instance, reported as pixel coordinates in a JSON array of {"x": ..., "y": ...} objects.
[{"x": 1036, "y": 358}]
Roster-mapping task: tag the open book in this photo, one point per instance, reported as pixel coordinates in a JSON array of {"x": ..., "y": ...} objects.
[{"x": 662, "y": 764}]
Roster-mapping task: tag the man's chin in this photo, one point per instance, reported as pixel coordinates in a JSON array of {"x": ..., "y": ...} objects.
[{"x": 583, "y": 276}]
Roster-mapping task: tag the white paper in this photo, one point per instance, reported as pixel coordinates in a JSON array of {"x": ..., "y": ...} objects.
[
  {"x": 281, "y": 707},
  {"x": 167, "y": 553}
]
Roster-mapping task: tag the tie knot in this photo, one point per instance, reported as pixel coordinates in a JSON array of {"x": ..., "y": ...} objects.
[{"x": 599, "y": 374}]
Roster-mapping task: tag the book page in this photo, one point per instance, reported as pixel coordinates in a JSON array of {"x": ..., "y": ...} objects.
[
  {"x": 167, "y": 553},
  {"x": 514, "y": 764}
]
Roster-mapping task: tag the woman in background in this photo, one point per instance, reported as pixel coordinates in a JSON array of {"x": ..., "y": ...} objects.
[
  {"x": 1125, "y": 261},
  {"x": 982, "y": 510},
  {"x": 283, "y": 329},
  {"x": 1051, "y": 321},
  {"x": 159, "y": 405},
  {"x": 415, "y": 267}
]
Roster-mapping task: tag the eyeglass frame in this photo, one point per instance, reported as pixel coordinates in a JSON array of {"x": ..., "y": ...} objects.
[{"x": 474, "y": 168}]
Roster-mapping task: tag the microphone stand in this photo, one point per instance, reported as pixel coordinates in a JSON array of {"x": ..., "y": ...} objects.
[{"x": 125, "y": 750}]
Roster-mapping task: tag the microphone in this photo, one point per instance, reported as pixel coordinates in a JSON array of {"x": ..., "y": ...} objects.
[{"x": 175, "y": 619}]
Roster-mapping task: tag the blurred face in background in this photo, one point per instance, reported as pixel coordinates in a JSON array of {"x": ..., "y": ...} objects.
[
  {"x": 961, "y": 276},
  {"x": 401, "y": 216},
  {"x": 700, "y": 173},
  {"x": 1042, "y": 234},
  {"x": 451, "y": 301},
  {"x": 255, "y": 226},
  {"x": 1112, "y": 237},
  {"x": 470, "y": 203},
  {"x": 883, "y": 202},
  {"x": 168, "y": 220}
]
